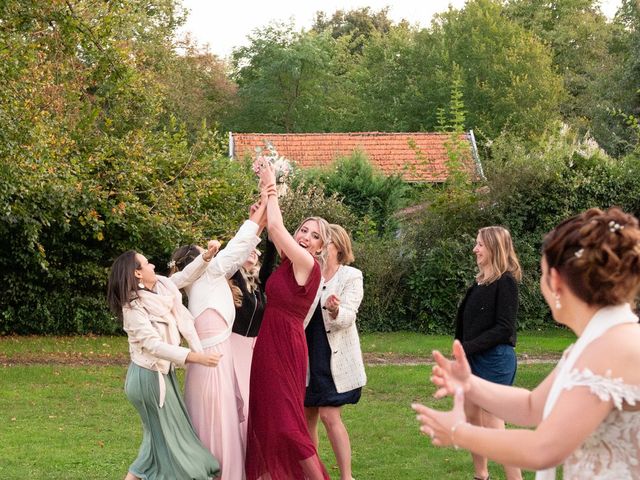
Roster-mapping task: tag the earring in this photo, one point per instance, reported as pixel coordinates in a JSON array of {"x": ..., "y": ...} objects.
[
  {"x": 558, "y": 304},
  {"x": 141, "y": 285}
]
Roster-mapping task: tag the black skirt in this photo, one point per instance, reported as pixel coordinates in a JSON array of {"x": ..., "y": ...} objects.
[{"x": 321, "y": 391}]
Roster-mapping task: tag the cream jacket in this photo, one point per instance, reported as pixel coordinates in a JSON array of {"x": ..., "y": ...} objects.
[
  {"x": 154, "y": 341},
  {"x": 347, "y": 366}
]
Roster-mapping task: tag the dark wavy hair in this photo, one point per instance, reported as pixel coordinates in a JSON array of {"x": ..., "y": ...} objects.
[
  {"x": 182, "y": 257},
  {"x": 598, "y": 254},
  {"x": 186, "y": 254},
  {"x": 122, "y": 286}
]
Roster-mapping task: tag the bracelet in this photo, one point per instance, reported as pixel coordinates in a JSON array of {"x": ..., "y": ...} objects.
[{"x": 453, "y": 432}]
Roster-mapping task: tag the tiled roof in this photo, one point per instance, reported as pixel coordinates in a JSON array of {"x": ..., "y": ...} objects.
[{"x": 418, "y": 157}]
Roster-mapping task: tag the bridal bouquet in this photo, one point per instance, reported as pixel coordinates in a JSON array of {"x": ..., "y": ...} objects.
[{"x": 282, "y": 166}]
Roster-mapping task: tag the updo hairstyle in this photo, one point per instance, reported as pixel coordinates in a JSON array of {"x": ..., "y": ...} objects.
[
  {"x": 598, "y": 254},
  {"x": 182, "y": 257}
]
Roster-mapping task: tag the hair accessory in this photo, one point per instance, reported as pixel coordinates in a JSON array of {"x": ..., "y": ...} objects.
[
  {"x": 579, "y": 253},
  {"x": 171, "y": 264},
  {"x": 614, "y": 227}
]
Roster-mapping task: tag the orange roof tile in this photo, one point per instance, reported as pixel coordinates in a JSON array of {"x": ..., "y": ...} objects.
[{"x": 417, "y": 157}]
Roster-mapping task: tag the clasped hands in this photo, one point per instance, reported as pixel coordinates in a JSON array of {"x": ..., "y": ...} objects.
[{"x": 452, "y": 377}]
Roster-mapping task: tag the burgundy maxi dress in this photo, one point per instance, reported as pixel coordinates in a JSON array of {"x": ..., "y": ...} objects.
[{"x": 278, "y": 443}]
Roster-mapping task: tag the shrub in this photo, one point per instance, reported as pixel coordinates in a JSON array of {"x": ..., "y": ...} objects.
[
  {"x": 365, "y": 191},
  {"x": 384, "y": 267}
]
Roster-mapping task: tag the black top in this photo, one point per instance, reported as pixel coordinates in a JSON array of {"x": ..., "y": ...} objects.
[
  {"x": 249, "y": 314},
  {"x": 487, "y": 315}
]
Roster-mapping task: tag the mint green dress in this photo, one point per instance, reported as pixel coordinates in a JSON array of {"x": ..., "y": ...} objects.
[{"x": 170, "y": 448}]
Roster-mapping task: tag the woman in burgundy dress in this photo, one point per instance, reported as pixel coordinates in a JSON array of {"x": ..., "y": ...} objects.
[{"x": 278, "y": 443}]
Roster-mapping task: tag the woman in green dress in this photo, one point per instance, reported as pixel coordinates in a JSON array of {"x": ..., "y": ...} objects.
[{"x": 150, "y": 307}]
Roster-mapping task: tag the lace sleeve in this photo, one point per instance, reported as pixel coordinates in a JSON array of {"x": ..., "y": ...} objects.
[{"x": 605, "y": 387}]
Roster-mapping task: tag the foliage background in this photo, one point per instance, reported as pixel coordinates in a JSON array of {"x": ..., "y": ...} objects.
[{"x": 113, "y": 136}]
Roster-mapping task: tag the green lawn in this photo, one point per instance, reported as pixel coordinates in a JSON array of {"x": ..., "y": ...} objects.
[
  {"x": 551, "y": 342},
  {"x": 74, "y": 422}
]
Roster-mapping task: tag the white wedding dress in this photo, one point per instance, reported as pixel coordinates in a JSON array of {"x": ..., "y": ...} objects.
[{"x": 612, "y": 451}]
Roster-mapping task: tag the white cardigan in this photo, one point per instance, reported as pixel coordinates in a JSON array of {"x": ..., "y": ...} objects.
[
  {"x": 347, "y": 366},
  {"x": 211, "y": 290}
]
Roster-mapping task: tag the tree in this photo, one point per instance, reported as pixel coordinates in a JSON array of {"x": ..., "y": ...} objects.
[
  {"x": 357, "y": 25},
  {"x": 507, "y": 73},
  {"x": 586, "y": 53},
  {"x": 385, "y": 83},
  {"x": 197, "y": 88},
  {"x": 289, "y": 82},
  {"x": 91, "y": 163}
]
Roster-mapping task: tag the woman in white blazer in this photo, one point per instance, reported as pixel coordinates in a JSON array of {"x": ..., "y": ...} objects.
[
  {"x": 154, "y": 318},
  {"x": 336, "y": 369}
]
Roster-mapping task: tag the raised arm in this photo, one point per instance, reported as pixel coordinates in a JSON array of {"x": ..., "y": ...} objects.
[
  {"x": 300, "y": 258},
  {"x": 576, "y": 415},
  {"x": 195, "y": 269},
  {"x": 235, "y": 253},
  {"x": 515, "y": 405}
]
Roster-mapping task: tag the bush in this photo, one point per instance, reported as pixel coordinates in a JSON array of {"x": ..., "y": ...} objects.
[
  {"x": 528, "y": 190},
  {"x": 384, "y": 267},
  {"x": 365, "y": 191},
  {"x": 307, "y": 200},
  {"x": 437, "y": 281}
]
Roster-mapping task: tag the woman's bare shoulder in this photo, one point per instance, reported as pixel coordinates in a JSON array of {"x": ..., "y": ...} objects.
[{"x": 615, "y": 353}]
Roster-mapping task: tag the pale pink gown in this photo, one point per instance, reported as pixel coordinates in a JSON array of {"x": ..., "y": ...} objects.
[
  {"x": 242, "y": 356},
  {"x": 213, "y": 399}
]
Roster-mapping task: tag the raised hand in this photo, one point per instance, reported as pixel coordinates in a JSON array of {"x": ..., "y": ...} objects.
[
  {"x": 258, "y": 213},
  {"x": 213, "y": 246},
  {"x": 442, "y": 426},
  {"x": 265, "y": 170},
  {"x": 449, "y": 375}
]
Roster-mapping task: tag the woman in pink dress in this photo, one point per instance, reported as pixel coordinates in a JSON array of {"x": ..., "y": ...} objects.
[
  {"x": 278, "y": 443},
  {"x": 213, "y": 398}
]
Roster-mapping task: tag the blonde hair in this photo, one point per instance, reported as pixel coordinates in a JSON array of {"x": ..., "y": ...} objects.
[
  {"x": 323, "y": 229},
  {"x": 502, "y": 256},
  {"x": 340, "y": 238}
]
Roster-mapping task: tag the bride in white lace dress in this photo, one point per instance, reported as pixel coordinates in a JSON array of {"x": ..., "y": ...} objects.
[{"x": 586, "y": 413}]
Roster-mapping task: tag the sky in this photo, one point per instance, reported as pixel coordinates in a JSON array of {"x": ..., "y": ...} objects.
[{"x": 224, "y": 25}]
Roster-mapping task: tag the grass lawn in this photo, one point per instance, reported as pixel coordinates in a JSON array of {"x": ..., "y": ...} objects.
[
  {"x": 74, "y": 422},
  {"x": 544, "y": 343}
]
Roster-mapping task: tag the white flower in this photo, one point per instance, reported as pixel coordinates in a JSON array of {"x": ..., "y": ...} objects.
[{"x": 281, "y": 165}]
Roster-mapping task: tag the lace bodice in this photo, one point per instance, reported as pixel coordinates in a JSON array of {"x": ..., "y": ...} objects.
[{"x": 612, "y": 451}]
